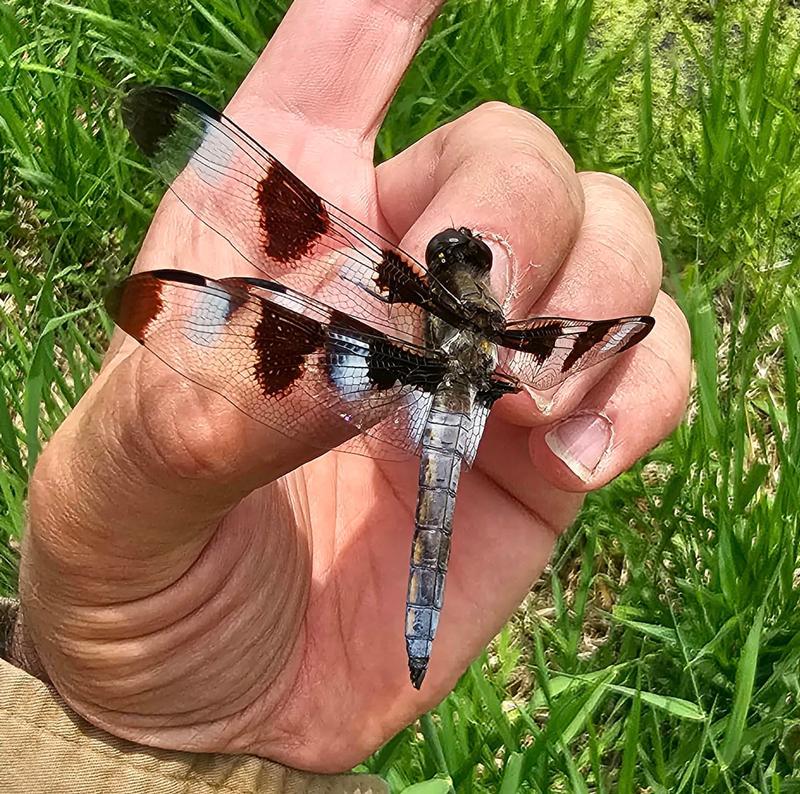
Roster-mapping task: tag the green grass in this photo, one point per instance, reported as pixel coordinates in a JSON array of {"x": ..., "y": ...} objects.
[{"x": 660, "y": 651}]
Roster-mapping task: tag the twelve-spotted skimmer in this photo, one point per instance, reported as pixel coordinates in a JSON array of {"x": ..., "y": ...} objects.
[{"x": 349, "y": 342}]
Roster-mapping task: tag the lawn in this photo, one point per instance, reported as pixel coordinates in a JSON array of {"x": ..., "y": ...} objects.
[{"x": 660, "y": 650}]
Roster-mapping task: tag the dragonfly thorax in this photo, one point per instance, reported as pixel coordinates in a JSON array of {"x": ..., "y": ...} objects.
[{"x": 470, "y": 355}]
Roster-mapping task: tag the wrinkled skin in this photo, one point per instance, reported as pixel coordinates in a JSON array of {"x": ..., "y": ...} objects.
[{"x": 187, "y": 586}]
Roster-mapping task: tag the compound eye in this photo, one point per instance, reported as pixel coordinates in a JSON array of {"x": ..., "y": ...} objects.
[
  {"x": 482, "y": 253},
  {"x": 442, "y": 242}
]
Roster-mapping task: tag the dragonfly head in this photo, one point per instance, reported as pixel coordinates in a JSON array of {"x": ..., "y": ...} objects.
[{"x": 458, "y": 247}]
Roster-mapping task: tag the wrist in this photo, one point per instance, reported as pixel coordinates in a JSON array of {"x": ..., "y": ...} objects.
[{"x": 16, "y": 646}]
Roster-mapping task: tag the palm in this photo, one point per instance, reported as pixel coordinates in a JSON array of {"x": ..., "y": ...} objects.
[{"x": 358, "y": 526}]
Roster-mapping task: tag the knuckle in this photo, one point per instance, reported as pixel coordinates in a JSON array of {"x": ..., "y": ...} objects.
[
  {"x": 495, "y": 108},
  {"x": 516, "y": 143},
  {"x": 621, "y": 191},
  {"x": 527, "y": 170},
  {"x": 497, "y": 112},
  {"x": 610, "y": 181},
  {"x": 679, "y": 332},
  {"x": 525, "y": 167},
  {"x": 522, "y": 120},
  {"x": 618, "y": 222},
  {"x": 626, "y": 264},
  {"x": 675, "y": 317},
  {"x": 45, "y": 483},
  {"x": 668, "y": 357}
]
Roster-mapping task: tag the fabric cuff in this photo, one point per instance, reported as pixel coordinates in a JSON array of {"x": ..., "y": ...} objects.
[{"x": 47, "y": 747}]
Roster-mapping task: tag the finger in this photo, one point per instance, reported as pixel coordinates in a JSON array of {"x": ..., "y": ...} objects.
[
  {"x": 613, "y": 270},
  {"x": 336, "y": 64},
  {"x": 637, "y": 404},
  {"x": 501, "y": 172},
  {"x": 615, "y": 262}
]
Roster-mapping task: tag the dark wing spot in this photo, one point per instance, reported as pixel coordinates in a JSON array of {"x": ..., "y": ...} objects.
[
  {"x": 151, "y": 115},
  {"x": 283, "y": 339},
  {"x": 585, "y": 342},
  {"x": 390, "y": 364},
  {"x": 182, "y": 276},
  {"x": 135, "y": 303},
  {"x": 293, "y": 216},
  {"x": 497, "y": 389},
  {"x": 263, "y": 283},
  {"x": 542, "y": 349},
  {"x": 344, "y": 322},
  {"x": 538, "y": 340}
]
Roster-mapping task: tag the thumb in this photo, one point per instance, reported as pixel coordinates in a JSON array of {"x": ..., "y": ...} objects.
[{"x": 130, "y": 489}]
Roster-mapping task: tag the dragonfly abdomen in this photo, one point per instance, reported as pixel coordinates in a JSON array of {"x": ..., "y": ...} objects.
[{"x": 443, "y": 445}]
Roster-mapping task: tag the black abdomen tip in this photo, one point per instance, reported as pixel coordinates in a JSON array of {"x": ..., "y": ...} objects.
[{"x": 417, "y": 668}]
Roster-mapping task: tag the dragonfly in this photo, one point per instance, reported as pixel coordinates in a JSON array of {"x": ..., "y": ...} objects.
[{"x": 347, "y": 342}]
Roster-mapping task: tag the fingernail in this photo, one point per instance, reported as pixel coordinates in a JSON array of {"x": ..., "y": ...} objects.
[
  {"x": 503, "y": 267},
  {"x": 580, "y": 442},
  {"x": 543, "y": 403}
]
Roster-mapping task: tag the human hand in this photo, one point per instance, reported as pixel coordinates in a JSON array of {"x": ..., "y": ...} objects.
[{"x": 186, "y": 585}]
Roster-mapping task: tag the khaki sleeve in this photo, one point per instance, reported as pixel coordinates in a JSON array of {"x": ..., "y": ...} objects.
[{"x": 46, "y": 747}]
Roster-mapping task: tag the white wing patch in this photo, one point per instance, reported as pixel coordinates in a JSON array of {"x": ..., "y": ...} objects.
[
  {"x": 619, "y": 336},
  {"x": 211, "y": 311},
  {"x": 289, "y": 302},
  {"x": 480, "y": 413},
  {"x": 213, "y": 155},
  {"x": 347, "y": 365}
]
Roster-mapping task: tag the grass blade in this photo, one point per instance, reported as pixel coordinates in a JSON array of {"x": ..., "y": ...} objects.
[
  {"x": 512, "y": 775},
  {"x": 631, "y": 751},
  {"x": 745, "y": 679},
  {"x": 8, "y": 436}
]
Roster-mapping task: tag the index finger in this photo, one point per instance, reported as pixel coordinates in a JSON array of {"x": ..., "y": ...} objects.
[{"x": 337, "y": 63}]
